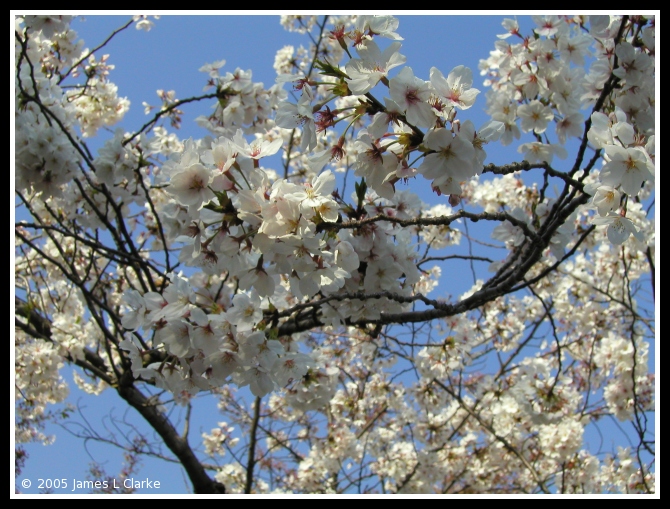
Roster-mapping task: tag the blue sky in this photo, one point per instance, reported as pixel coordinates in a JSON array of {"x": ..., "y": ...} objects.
[{"x": 168, "y": 57}]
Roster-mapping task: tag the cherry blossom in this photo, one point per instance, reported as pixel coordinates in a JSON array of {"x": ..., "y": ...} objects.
[
  {"x": 619, "y": 228},
  {"x": 456, "y": 89},
  {"x": 373, "y": 65},
  {"x": 286, "y": 268},
  {"x": 410, "y": 94},
  {"x": 626, "y": 167}
]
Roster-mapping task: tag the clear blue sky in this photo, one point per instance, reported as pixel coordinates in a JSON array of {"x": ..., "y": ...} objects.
[{"x": 168, "y": 57}]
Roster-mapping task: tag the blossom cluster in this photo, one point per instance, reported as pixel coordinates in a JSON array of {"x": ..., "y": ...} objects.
[{"x": 533, "y": 80}]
